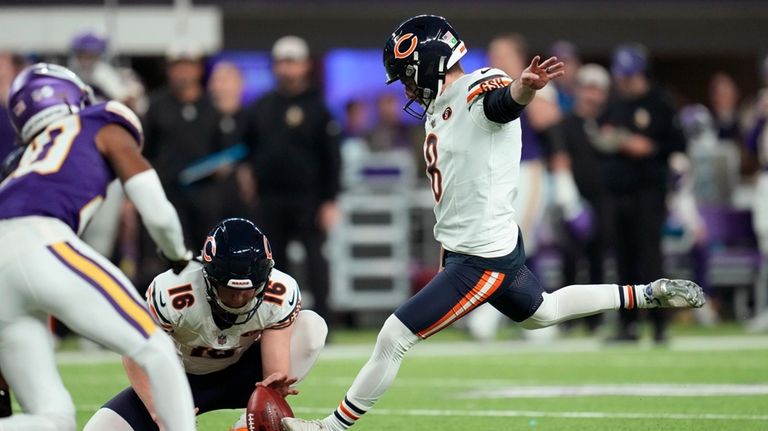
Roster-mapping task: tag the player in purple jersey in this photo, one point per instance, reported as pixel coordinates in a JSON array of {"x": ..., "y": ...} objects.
[{"x": 72, "y": 151}]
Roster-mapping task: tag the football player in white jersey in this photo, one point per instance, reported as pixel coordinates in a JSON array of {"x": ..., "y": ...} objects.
[
  {"x": 472, "y": 151},
  {"x": 236, "y": 322}
]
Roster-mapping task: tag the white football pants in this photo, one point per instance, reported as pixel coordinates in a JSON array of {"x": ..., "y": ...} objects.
[{"x": 45, "y": 269}]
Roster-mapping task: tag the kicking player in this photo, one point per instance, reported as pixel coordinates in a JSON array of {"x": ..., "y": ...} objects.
[
  {"x": 73, "y": 150},
  {"x": 236, "y": 322},
  {"x": 473, "y": 155}
]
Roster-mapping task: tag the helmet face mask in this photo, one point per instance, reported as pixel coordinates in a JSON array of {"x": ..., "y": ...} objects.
[
  {"x": 422, "y": 96},
  {"x": 236, "y": 299},
  {"x": 237, "y": 262},
  {"x": 223, "y": 298},
  {"x": 419, "y": 54}
]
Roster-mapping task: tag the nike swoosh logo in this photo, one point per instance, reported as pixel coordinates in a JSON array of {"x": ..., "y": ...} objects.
[
  {"x": 484, "y": 71},
  {"x": 162, "y": 303},
  {"x": 293, "y": 299}
]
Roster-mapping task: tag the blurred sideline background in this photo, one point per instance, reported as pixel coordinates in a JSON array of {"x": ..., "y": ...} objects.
[{"x": 704, "y": 54}]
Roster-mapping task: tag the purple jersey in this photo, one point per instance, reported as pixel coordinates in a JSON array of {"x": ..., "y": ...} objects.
[{"x": 62, "y": 174}]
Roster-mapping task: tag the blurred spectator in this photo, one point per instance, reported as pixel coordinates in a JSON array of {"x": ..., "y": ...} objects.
[
  {"x": 543, "y": 148},
  {"x": 685, "y": 231},
  {"x": 724, "y": 103},
  {"x": 640, "y": 131},
  {"x": 757, "y": 142},
  {"x": 760, "y": 215},
  {"x": 508, "y": 52},
  {"x": 354, "y": 146},
  {"x": 566, "y": 85},
  {"x": 592, "y": 85},
  {"x": 10, "y": 65},
  {"x": 542, "y": 137},
  {"x": 294, "y": 145},
  {"x": 181, "y": 128},
  {"x": 753, "y": 123},
  {"x": 356, "y": 115},
  {"x": 88, "y": 53},
  {"x": 226, "y": 87},
  {"x": 716, "y": 166},
  {"x": 391, "y": 132},
  {"x": 135, "y": 92}
]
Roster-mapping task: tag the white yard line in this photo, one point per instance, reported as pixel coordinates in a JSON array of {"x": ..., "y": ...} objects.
[
  {"x": 468, "y": 348},
  {"x": 521, "y": 414},
  {"x": 470, "y": 388},
  {"x": 547, "y": 414},
  {"x": 604, "y": 390}
]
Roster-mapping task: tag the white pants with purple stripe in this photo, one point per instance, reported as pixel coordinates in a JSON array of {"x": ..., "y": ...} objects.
[{"x": 45, "y": 269}]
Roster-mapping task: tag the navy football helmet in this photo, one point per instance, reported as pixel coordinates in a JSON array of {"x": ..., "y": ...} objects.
[
  {"x": 237, "y": 262},
  {"x": 419, "y": 53}
]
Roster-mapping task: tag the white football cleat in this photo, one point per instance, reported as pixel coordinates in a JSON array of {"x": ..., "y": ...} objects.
[
  {"x": 296, "y": 424},
  {"x": 240, "y": 425},
  {"x": 667, "y": 293}
]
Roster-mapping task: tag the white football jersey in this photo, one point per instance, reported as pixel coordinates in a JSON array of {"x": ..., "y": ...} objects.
[
  {"x": 179, "y": 306},
  {"x": 473, "y": 164}
]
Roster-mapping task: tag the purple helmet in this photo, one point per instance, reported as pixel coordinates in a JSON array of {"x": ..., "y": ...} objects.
[
  {"x": 43, "y": 93},
  {"x": 89, "y": 42},
  {"x": 695, "y": 120}
]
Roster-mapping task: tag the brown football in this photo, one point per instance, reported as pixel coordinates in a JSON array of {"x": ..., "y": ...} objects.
[{"x": 265, "y": 409}]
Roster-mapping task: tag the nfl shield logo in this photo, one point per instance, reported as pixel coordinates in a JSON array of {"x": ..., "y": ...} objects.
[{"x": 222, "y": 339}]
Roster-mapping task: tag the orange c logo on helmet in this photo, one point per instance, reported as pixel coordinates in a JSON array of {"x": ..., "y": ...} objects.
[
  {"x": 209, "y": 249},
  {"x": 404, "y": 54}
]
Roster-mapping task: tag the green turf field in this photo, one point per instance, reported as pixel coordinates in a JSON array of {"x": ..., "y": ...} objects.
[{"x": 437, "y": 388}]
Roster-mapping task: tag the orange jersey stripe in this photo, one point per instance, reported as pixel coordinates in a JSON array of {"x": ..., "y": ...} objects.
[{"x": 484, "y": 89}]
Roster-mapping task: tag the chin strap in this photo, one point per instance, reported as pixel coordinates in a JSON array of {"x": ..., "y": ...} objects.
[{"x": 220, "y": 322}]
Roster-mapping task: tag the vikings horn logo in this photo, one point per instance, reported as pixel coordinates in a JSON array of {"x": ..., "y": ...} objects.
[
  {"x": 412, "y": 47},
  {"x": 209, "y": 249}
]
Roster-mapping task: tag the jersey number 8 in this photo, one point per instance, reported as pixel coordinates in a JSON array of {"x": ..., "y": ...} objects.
[{"x": 435, "y": 176}]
